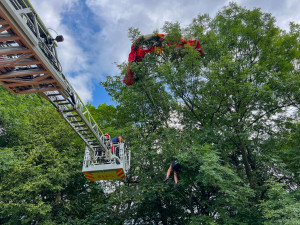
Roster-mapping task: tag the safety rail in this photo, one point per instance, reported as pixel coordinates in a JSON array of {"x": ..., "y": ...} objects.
[{"x": 111, "y": 167}]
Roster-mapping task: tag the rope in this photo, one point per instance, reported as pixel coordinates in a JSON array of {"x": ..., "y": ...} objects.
[
  {"x": 149, "y": 96},
  {"x": 188, "y": 203}
]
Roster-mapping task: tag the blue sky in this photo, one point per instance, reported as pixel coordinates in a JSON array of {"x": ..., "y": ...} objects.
[{"x": 96, "y": 31}]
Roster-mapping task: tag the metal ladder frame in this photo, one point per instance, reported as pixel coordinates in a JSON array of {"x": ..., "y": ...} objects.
[{"x": 29, "y": 64}]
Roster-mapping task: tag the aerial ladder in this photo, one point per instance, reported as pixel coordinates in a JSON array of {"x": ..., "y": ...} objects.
[{"x": 29, "y": 64}]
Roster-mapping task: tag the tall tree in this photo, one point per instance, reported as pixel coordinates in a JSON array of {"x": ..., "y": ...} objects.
[{"x": 236, "y": 99}]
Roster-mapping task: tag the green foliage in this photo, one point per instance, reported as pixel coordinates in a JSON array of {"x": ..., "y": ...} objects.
[
  {"x": 282, "y": 207},
  {"x": 106, "y": 116},
  {"x": 40, "y": 165},
  {"x": 133, "y": 34},
  {"x": 173, "y": 32}
]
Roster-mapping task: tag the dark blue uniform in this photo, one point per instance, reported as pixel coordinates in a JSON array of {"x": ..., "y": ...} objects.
[
  {"x": 115, "y": 140},
  {"x": 175, "y": 165}
]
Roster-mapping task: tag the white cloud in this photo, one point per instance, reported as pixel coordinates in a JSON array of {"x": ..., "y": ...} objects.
[
  {"x": 51, "y": 11},
  {"x": 284, "y": 11},
  {"x": 82, "y": 84},
  {"x": 71, "y": 55}
]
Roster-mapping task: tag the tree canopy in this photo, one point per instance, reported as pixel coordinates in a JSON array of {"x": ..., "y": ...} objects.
[{"x": 233, "y": 111}]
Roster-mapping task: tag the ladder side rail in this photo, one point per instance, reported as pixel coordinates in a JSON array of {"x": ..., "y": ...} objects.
[
  {"x": 89, "y": 120},
  {"x": 35, "y": 24},
  {"x": 51, "y": 55}
]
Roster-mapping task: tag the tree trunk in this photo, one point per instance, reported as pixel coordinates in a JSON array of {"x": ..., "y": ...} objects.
[{"x": 246, "y": 164}]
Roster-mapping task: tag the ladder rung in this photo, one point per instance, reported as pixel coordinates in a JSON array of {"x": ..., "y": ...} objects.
[
  {"x": 75, "y": 115},
  {"x": 68, "y": 110},
  {"x": 82, "y": 125},
  {"x": 64, "y": 103},
  {"x": 12, "y": 50},
  {"x": 91, "y": 140},
  {"x": 88, "y": 137},
  {"x": 83, "y": 129},
  {"x": 76, "y": 121},
  {"x": 25, "y": 82},
  {"x": 8, "y": 37},
  {"x": 56, "y": 94},
  {"x": 3, "y": 22},
  {"x": 21, "y": 73},
  {"x": 95, "y": 143},
  {"x": 24, "y": 62},
  {"x": 59, "y": 100},
  {"x": 35, "y": 90}
]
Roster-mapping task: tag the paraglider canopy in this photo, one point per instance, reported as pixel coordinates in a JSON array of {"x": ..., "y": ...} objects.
[{"x": 152, "y": 43}]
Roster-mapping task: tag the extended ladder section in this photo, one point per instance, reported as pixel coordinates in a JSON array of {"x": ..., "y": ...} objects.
[{"x": 29, "y": 64}]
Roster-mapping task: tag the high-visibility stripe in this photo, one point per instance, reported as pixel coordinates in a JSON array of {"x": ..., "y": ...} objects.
[
  {"x": 105, "y": 175},
  {"x": 88, "y": 173},
  {"x": 120, "y": 174}
]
